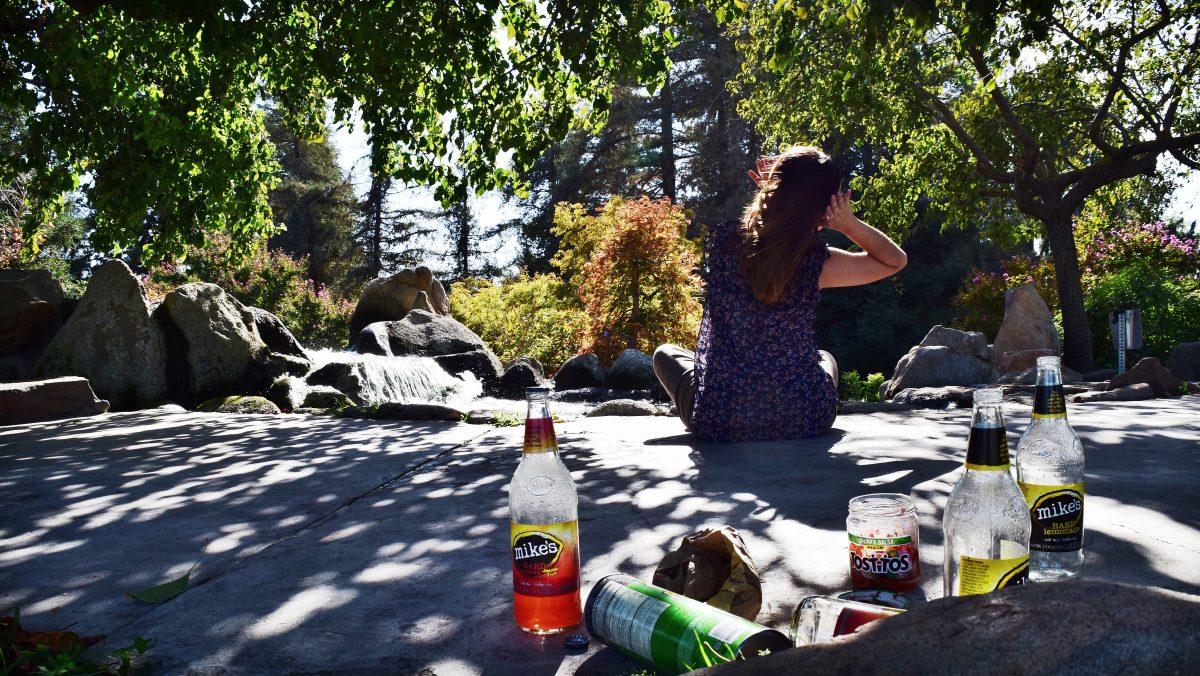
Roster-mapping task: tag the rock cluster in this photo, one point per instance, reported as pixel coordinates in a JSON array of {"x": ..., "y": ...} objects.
[
  {"x": 452, "y": 345},
  {"x": 389, "y": 299}
]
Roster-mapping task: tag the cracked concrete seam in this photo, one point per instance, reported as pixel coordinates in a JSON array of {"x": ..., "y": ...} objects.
[{"x": 230, "y": 566}]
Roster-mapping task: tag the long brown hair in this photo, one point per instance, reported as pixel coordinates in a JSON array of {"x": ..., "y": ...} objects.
[{"x": 781, "y": 222}]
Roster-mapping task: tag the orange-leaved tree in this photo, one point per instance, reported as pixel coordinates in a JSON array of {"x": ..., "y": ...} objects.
[{"x": 635, "y": 270}]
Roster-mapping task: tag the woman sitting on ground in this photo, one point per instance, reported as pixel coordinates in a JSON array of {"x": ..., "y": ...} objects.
[{"x": 757, "y": 373}]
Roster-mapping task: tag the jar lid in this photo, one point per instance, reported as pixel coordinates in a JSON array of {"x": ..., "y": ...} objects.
[{"x": 882, "y": 504}]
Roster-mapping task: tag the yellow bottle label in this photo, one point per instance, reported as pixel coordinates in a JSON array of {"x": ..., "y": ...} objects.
[
  {"x": 980, "y": 576},
  {"x": 1056, "y": 514}
]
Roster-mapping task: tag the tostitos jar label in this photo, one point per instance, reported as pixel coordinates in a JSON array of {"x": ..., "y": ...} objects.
[
  {"x": 545, "y": 558},
  {"x": 883, "y": 562}
]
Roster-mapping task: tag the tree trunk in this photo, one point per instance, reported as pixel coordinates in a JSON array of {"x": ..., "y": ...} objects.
[
  {"x": 374, "y": 211},
  {"x": 1077, "y": 337},
  {"x": 666, "y": 132}
]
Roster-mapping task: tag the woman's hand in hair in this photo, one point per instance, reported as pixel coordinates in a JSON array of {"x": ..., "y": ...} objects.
[
  {"x": 879, "y": 259},
  {"x": 839, "y": 215},
  {"x": 762, "y": 169}
]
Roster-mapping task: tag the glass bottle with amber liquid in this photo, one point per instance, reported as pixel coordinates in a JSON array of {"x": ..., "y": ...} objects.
[
  {"x": 986, "y": 524},
  {"x": 544, "y": 535},
  {"x": 1049, "y": 464}
]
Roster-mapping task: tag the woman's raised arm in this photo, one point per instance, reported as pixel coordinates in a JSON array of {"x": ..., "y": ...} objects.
[{"x": 880, "y": 257}]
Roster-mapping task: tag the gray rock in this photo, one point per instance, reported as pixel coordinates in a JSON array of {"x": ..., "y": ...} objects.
[
  {"x": 1099, "y": 375},
  {"x": 1078, "y": 627},
  {"x": 935, "y": 366},
  {"x": 1185, "y": 361},
  {"x": 111, "y": 340},
  {"x": 323, "y": 396},
  {"x": 438, "y": 298},
  {"x": 213, "y": 343},
  {"x": 275, "y": 334},
  {"x": 522, "y": 373},
  {"x": 1029, "y": 377},
  {"x": 287, "y": 392},
  {"x": 1151, "y": 372},
  {"x": 481, "y": 363},
  {"x": 859, "y": 407},
  {"x": 274, "y": 365},
  {"x": 373, "y": 339},
  {"x": 935, "y": 397},
  {"x": 1135, "y": 392},
  {"x": 1028, "y": 326},
  {"x": 969, "y": 343},
  {"x": 632, "y": 370},
  {"x": 391, "y": 298},
  {"x": 624, "y": 407},
  {"x": 31, "y": 311},
  {"x": 582, "y": 370},
  {"x": 394, "y": 411},
  {"x": 430, "y": 335},
  {"x": 36, "y": 400},
  {"x": 237, "y": 404},
  {"x": 588, "y": 395}
]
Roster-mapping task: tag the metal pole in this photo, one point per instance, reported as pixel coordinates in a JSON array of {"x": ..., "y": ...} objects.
[{"x": 1121, "y": 324}]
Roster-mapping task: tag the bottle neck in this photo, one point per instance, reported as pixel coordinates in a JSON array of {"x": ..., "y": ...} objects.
[
  {"x": 539, "y": 428},
  {"x": 987, "y": 445},
  {"x": 1048, "y": 401}
]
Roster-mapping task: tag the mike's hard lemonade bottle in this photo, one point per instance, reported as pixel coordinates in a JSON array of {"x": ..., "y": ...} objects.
[
  {"x": 544, "y": 537},
  {"x": 1049, "y": 464}
]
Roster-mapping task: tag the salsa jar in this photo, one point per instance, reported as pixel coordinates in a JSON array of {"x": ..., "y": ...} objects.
[{"x": 882, "y": 528}]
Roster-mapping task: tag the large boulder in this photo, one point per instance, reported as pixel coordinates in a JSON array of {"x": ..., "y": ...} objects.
[
  {"x": 391, "y": 298},
  {"x": 31, "y": 311},
  {"x": 422, "y": 333},
  {"x": 1150, "y": 371},
  {"x": 36, "y": 400},
  {"x": 580, "y": 371},
  {"x": 522, "y": 373},
  {"x": 969, "y": 343},
  {"x": 111, "y": 340},
  {"x": 214, "y": 347},
  {"x": 632, "y": 370},
  {"x": 1078, "y": 627},
  {"x": 1185, "y": 361},
  {"x": 275, "y": 334},
  {"x": 935, "y": 366},
  {"x": 1028, "y": 328}
]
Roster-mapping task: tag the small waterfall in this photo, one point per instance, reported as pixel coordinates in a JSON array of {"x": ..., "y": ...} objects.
[{"x": 407, "y": 380}]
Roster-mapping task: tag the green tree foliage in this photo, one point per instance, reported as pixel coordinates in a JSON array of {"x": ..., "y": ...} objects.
[
  {"x": 634, "y": 268},
  {"x": 315, "y": 205},
  {"x": 271, "y": 280},
  {"x": 536, "y": 316},
  {"x": 1012, "y": 114},
  {"x": 155, "y": 103}
]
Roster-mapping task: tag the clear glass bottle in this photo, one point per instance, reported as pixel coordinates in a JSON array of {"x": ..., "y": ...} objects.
[
  {"x": 986, "y": 523},
  {"x": 543, "y": 510},
  {"x": 1049, "y": 465},
  {"x": 822, "y": 618}
]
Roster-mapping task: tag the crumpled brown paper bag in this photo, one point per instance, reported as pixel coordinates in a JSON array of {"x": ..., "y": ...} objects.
[{"x": 713, "y": 566}]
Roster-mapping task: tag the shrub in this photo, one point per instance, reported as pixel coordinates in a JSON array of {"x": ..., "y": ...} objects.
[
  {"x": 1170, "y": 307},
  {"x": 271, "y": 280},
  {"x": 854, "y": 388},
  {"x": 980, "y": 302},
  {"x": 537, "y": 316},
  {"x": 634, "y": 268}
]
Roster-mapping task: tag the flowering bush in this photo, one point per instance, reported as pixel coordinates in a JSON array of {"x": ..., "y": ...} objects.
[
  {"x": 635, "y": 270},
  {"x": 1149, "y": 266},
  {"x": 535, "y": 316},
  {"x": 980, "y": 302},
  {"x": 271, "y": 280}
]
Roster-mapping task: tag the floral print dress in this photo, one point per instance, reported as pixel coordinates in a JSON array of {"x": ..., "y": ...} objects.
[{"x": 758, "y": 371}]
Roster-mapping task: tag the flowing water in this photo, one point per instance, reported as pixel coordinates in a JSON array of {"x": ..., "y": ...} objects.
[{"x": 407, "y": 380}]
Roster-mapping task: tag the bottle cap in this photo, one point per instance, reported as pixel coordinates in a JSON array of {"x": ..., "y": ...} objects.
[
  {"x": 1051, "y": 362},
  {"x": 530, "y": 391},
  {"x": 988, "y": 396}
]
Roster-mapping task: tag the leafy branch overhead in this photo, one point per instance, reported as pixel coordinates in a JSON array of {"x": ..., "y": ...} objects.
[{"x": 152, "y": 108}]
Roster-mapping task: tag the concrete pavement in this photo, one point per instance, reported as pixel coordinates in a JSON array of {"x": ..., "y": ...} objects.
[{"x": 354, "y": 546}]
